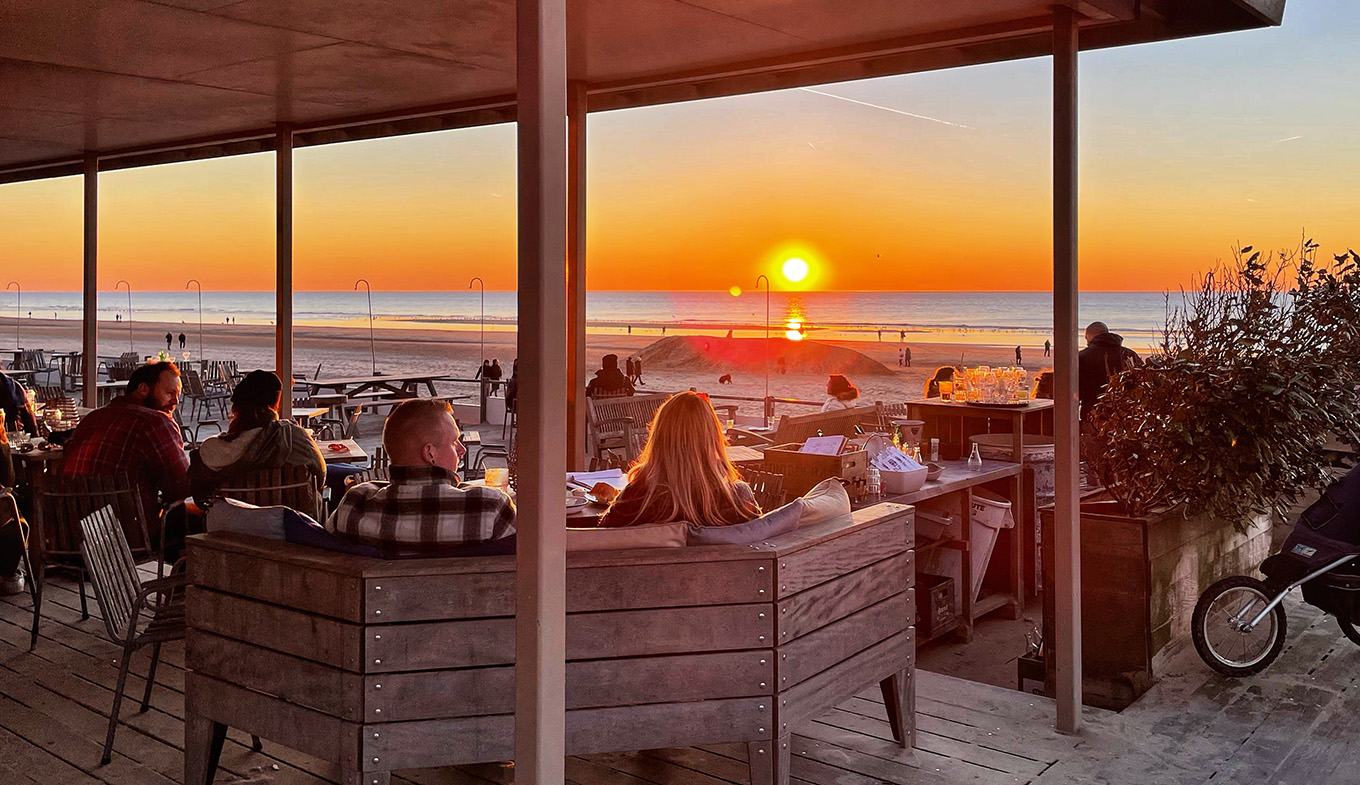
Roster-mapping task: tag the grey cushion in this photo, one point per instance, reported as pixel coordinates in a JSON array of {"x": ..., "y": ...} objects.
[
  {"x": 230, "y": 515},
  {"x": 770, "y": 525}
]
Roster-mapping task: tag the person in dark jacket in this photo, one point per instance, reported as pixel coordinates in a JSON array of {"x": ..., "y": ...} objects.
[
  {"x": 609, "y": 380},
  {"x": 1104, "y": 356},
  {"x": 16, "y": 405}
]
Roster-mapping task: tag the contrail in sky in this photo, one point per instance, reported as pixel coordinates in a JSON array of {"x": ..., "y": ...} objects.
[
  {"x": 889, "y": 109},
  {"x": 1288, "y": 139}
]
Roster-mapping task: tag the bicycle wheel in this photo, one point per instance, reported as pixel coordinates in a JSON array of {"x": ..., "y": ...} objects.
[
  {"x": 1349, "y": 630},
  {"x": 1219, "y": 627}
]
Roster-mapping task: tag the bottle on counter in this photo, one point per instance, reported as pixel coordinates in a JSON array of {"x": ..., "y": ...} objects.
[{"x": 975, "y": 459}]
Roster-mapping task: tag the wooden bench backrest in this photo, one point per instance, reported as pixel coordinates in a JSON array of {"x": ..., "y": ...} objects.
[
  {"x": 290, "y": 486},
  {"x": 801, "y": 427},
  {"x": 665, "y": 646}
]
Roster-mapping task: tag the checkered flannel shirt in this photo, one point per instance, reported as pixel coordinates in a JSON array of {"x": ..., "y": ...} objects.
[
  {"x": 423, "y": 511},
  {"x": 129, "y": 438}
]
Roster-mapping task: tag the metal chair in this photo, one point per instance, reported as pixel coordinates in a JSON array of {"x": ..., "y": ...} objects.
[
  {"x": 56, "y": 529},
  {"x": 201, "y": 397},
  {"x": 768, "y": 486},
  {"x": 9, "y": 514},
  {"x": 136, "y": 614}
]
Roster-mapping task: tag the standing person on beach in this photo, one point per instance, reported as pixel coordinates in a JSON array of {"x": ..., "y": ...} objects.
[
  {"x": 1048, "y": 348},
  {"x": 181, "y": 341},
  {"x": 1104, "y": 356},
  {"x": 906, "y": 353},
  {"x": 637, "y": 369},
  {"x": 628, "y": 367},
  {"x": 1018, "y": 360},
  {"x": 840, "y": 393},
  {"x": 482, "y": 372},
  {"x": 169, "y": 340},
  {"x": 494, "y": 373}
]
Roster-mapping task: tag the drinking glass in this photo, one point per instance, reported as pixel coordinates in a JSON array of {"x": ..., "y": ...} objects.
[
  {"x": 946, "y": 390},
  {"x": 497, "y": 476}
]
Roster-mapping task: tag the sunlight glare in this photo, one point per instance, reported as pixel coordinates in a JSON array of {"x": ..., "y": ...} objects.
[{"x": 795, "y": 269}]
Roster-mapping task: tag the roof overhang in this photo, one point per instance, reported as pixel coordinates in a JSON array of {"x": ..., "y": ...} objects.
[{"x": 144, "y": 82}]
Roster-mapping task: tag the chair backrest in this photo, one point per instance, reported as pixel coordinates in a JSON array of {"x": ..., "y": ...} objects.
[
  {"x": 768, "y": 486},
  {"x": 108, "y": 560},
  {"x": 62, "y": 504},
  {"x": 880, "y": 419},
  {"x": 122, "y": 370},
  {"x": 46, "y": 393},
  {"x": 621, "y": 422},
  {"x": 193, "y": 383},
  {"x": 290, "y": 486},
  {"x": 801, "y": 427},
  {"x": 128, "y": 357}
]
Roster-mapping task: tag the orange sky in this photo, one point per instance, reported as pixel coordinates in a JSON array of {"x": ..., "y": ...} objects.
[{"x": 1187, "y": 148}]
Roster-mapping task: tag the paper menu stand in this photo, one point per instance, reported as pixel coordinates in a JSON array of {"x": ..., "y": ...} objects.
[
  {"x": 823, "y": 445},
  {"x": 892, "y": 459}
]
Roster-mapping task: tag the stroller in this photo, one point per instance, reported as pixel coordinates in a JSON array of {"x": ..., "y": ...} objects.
[{"x": 1239, "y": 622}]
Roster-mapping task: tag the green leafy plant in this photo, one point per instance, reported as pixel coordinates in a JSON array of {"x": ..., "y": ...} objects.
[{"x": 1257, "y": 370}]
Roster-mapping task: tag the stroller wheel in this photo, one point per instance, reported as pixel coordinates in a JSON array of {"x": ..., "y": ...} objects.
[
  {"x": 1220, "y": 627},
  {"x": 1348, "y": 630}
]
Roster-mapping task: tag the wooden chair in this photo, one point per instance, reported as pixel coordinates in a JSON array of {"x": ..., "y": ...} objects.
[
  {"x": 290, "y": 486},
  {"x": 801, "y": 427},
  {"x": 136, "y": 614},
  {"x": 768, "y": 486},
  {"x": 616, "y": 426},
  {"x": 202, "y": 398},
  {"x": 56, "y": 532},
  {"x": 72, "y": 371}
]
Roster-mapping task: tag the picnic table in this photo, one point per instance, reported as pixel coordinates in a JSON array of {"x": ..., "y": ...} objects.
[
  {"x": 347, "y": 451},
  {"x": 305, "y": 416},
  {"x": 397, "y": 386}
]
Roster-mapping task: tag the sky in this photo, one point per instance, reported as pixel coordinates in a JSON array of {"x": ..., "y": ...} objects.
[{"x": 935, "y": 181}]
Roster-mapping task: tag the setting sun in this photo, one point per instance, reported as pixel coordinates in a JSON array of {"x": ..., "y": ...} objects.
[
  {"x": 735, "y": 291},
  {"x": 795, "y": 269},
  {"x": 795, "y": 330}
]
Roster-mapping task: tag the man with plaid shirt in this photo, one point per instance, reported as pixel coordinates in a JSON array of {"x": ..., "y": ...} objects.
[{"x": 423, "y": 510}]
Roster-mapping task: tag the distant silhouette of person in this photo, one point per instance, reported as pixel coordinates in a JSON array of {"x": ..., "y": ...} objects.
[
  {"x": 901, "y": 335},
  {"x": 482, "y": 371},
  {"x": 494, "y": 373},
  {"x": 630, "y": 329},
  {"x": 907, "y": 354},
  {"x": 512, "y": 387},
  {"x": 609, "y": 380},
  {"x": 1018, "y": 359},
  {"x": 181, "y": 341},
  {"x": 729, "y": 333},
  {"x": 725, "y": 379},
  {"x": 169, "y": 340},
  {"x": 783, "y": 365},
  {"x": 1104, "y": 356},
  {"x": 637, "y": 369},
  {"x": 629, "y": 370},
  {"x": 901, "y": 357},
  {"x": 1048, "y": 348},
  {"x": 118, "y": 317}
]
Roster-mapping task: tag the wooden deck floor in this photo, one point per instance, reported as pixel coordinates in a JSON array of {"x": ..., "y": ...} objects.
[{"x": 1292, "y": 725}]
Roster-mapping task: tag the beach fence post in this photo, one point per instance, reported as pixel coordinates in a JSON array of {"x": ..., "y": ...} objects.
[
  {"x": 18, "y": 307},
  {"x": 129, "y": 291},
  {"x": 372, "y": 346},
  {"x": 477, "y": 280},
  {"x": 769, "y": 405},
  {"x": 194, "y": 281},
  {"x": 89, "y": 313},
  {"x": 283, "y": 253},
  {"x": 1067, "y": 508},
  {"x": 540, "y": 563}
]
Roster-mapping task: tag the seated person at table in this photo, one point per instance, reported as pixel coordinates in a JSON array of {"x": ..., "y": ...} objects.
[
  {"x": 945, "y": 373},
  {"x": 840, "y": 393},
  {"x": 609, "y": 380},
  {"x": 136, "y": 435},
  {"x": 255, "y": 439},
  {"x": 17, "y": 407},
  {"x": 683, "y": 473},
  {"x": 423, "y": 510}
]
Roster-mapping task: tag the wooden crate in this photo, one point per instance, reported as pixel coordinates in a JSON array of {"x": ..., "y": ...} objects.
[
  {"x": 935, "y": 605},
  {"x": 803, "y": 470}
]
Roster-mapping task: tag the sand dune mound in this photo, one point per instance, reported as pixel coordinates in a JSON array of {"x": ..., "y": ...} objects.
[{"x": 747, "y": 356}]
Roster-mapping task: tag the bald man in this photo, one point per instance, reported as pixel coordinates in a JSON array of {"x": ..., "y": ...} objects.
[
  {"x": 423, "y": 511},
  {"x": 1104, "y": 356}
]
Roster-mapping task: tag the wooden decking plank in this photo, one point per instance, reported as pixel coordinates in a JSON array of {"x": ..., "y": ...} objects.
[
  {"x": 977, "y": 755},
  {"x": 1032, "y": 744},
  {"x": 45, "y": 768},
  {"x": 703, "y": 763},
  {"x": 920, "y": 760},
  {"x": 75, "y": 749},
  {"x": 654, "y": 768}
]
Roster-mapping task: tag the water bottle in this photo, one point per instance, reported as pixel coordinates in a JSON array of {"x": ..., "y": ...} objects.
[
  {"x": 875, "y": 482},
  {"x": 975, "y": 459}
]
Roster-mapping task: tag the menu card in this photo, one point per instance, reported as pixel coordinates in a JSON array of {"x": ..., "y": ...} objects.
[
  {"x": 824, "y": 445},
  {"x": 612, "y": 477},
  {"x": 891, "y": 459}
]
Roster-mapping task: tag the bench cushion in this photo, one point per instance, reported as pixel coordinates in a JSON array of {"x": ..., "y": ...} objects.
[
  {"x": 771, "y": 524},
  {"x": 647, "y": 535},
  {"x": 278, "y": 523},
  {"x": 828, "y": 500}
]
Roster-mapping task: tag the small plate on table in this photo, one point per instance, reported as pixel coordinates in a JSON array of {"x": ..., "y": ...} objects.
[{"x": 576, "y": 502}]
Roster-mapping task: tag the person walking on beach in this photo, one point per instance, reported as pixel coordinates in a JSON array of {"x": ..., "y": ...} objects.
[
  {"x": 169, "y": 339},
  {"x": 628, "y": 369},
  {"x": 482, "y": 371},
  {"x": 1048, "y": 348},
  {"x": 494, "y": 373},
  {"x": 901, "y": 357},
  {"x": 637, "y": 369},
  {"x": 1018, "y": 359},
  {"x": 181, "y": 341},
  {"x": 906, "y": 355},
  {"x": 1104, "y": 356}
]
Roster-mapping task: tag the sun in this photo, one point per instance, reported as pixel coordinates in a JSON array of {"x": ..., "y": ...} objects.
[
  {"x": 795, "y": 269},
  {"x": 735, "y": 291}
]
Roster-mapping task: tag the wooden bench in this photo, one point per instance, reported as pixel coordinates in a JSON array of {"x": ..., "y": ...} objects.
[
  {"x": 618, "y": 424},
  {"x": 801, "y": 427},
  {"x": 385, "y": 665}
]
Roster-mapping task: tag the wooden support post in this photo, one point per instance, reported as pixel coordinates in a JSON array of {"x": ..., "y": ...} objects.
[
  {"x": 540, "y": 598},
  {"x": 576, "y": 276},
  {"x": 89, "y": 314},
  {"x": 283, "y": 283},
  {"x": 1067, "y": 506}
]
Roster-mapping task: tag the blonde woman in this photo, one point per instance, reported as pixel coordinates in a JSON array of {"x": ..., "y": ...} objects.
[{"x": 683, "y": 473}]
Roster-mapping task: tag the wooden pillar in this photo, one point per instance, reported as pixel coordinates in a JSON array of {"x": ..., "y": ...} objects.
[
  {"x": 540, "y": 598},
  {"x": 89, "y": 313},
  {"x": 1067, "y": 507},
  {"x": 576, "y": 276},
  {"x": 283, "y": 281}
]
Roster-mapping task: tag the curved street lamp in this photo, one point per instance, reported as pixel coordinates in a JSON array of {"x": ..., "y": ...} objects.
[
  {"x": 478, "y": 280},
  {"x": 765, "y": 405},
  {"x": 18, "y": 306},
  {"x": 372, "y": 347},
  {"x": 194, "y": 281},
  {"x": 129, "y": 291}
]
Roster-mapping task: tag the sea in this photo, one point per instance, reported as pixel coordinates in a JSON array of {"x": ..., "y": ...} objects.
[{"x": 980, "y": 318}]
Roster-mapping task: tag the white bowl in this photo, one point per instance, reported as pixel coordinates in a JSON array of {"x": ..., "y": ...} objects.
[{"x": 904, "y": 482}]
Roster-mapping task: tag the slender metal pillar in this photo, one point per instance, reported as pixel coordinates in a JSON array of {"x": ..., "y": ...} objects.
[
  {"x": 576, "y": 276},
  {"x": 283, "y": 282},
  {"x": 89, "y": 312},
  {"x": 540, "y": 598},
  {"x": 1067, "y": 507}
]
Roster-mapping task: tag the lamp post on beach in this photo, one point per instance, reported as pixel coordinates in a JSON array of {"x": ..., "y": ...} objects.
[
  {"x": 129, "y": 291},
  {"x": 765, "y": 405},
  {"x": 195, "y": 282},
  {"x": 478, "y": 280},
  {"x": 372, "y": 347},
  {"x": 18, "y": 306}
]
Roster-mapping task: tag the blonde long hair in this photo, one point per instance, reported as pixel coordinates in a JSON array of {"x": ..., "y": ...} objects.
[{"x": 687, "y": 455}]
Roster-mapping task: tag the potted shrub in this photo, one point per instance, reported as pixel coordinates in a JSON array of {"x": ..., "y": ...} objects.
[{"x": 1219, "y": 431}]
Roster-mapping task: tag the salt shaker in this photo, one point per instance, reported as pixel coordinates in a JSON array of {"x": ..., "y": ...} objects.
[{"x": 934, "y": 450}]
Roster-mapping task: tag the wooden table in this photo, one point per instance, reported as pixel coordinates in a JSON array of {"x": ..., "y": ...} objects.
[
  {"x": 957, "y": 479},
  {"x": 743, "y": 455},
  {"x": 352, "y": 452},
  {"x": 107, "y": 391},
  {"x": 398, "y": 386},
  {"x": 305, "y": 416}
]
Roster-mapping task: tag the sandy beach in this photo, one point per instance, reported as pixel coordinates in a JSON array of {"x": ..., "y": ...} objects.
[{"x": 457, "y": 352}]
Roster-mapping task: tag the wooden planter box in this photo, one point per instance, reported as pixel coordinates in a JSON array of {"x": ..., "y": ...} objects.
[{"x": 1140, "y": 579}]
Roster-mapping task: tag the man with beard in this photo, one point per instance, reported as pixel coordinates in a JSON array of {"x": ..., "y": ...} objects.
[{"x": 136, "y": 435}]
